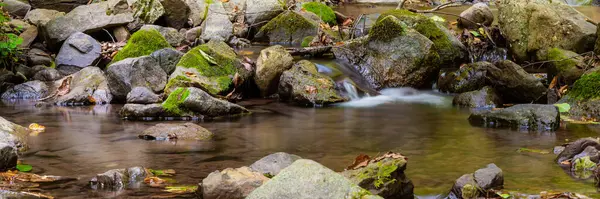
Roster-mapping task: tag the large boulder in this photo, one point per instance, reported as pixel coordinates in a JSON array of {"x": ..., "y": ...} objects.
[
  {"x": 186, "y": 102},
  {"x": 16, "y": 7},
  {"x": 514, "y": 84},
  {"x": 272, "y": 164},
  {"x": 172, "y": 35},
  {"x": 48, "y": 74},
  {"x": 304, "y": 85},
  {"x": 88, "y": 86},
  {"x": 177, "y": 13},
  {"x": 13, "y": 134},
  {"x": 260, "y": 11},
  {"x": 574, "y": 148},
  {"x": 568, "y": 66},
  {"x": 86, "y": 18},
  {"x": 118, "y": 179},
  {"x": 143, "y": 42},
  {"x": 289, "y": 27},
  {"x": 467, "y": 78},
  {"x": 135, "y": 72},
  {"x": 217, "y": 25},
  {"x": 530, "y": 26},
  {"x": 477, "y": 13},
  {"x": 143, "y": 95},
  {"x": 271, "y": 63},
  {"x": 59, "y": 5},
  {"x": 187, "y": 131},
  {"x": 79, "y": 50},
  {"x": 478, "y": 184},
  {"x": 40, "y": 17},
  {"x": 28, "y": 90},
  {"x": 523, "y": 116},
  {"x": 167, "y": 59},
  {"x": 306, "y": 179},
  {"x": 384, "y": 177},
  {"x": 393, "y": 55},
  {"x": 231, "y": 183},
  {"x": 198, "y": 8},
  {"x": 483, "y": 98}
]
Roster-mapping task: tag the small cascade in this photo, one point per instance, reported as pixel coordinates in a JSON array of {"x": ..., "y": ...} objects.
[
  {"x": 494, "y": 55},
  {"x": 404, "y": 95},
  {"x": 351, "y": 90}
]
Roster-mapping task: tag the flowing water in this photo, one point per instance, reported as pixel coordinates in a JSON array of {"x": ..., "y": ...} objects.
[{"x": 438, "y": 140}]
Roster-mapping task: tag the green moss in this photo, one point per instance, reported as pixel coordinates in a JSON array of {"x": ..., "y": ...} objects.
[
  {"x": 141, "y": 43},
  {"x": 173, "y": 103},
  {"x": 52, "y": 64},
  {"x": 469, "y": 191},
  {"x": 178, "y": 81},
  {"x": 289, "y": 21},
  {"x": 381, "y": 173},
  {"x": 360, "y": 194},
  {"x": 387, "y": 29},
  {"x": 564, "y": 64},
  {"x": 586, "y": 87},
  {"x": 323, "y": 11},
  {"x": 306, "y": 41}
]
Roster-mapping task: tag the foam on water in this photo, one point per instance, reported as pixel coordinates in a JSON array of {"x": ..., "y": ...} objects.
[{"x": 399, "y": 95}]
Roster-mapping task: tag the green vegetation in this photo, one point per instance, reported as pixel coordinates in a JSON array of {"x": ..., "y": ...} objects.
[
  {"x": 173, "y": 103},
  {"x": 306, "y": 41},
  {"x": 24, "y": 167},
  {"x": 178, "y": 81},
  {"x": 561, "y": 61},
  {"x": 289, "y": 21},
  {"x": 141, "y": 43},
  {"x": 323, "y": 11},
  {"x": 586, "y": 87},
  {"x": 381, "y": 174},
  {"x": 387, "y": 29},
  {"x": 9, "y": 42}
]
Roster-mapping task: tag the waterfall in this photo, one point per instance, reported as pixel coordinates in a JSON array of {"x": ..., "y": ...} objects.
[{"x": 350, "y": 90}]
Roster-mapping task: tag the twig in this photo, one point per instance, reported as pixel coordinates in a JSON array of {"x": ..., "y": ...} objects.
[
  {"x": 442, "y": 6},
  {"x": 400, "y": 4},
  {"x": 550, "y": 61},
  {"x": 590, "y": 21},
  {"x": 111, "y": 37},
  {"x": 485, "y": 28}
]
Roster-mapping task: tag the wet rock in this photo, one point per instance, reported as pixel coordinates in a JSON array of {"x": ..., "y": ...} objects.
[
  {"x": 79, "y": 50},
  {"x": 196, "y": 102},
  {"x": 467, "y": 78},
  {"x": 304, "y": 85},
  {"x": 167, "y": 59},
  {"x": 118, "y": 179},
  {"x": 26, "y": 71},
  {"x": 584, "y": 97},
  {"x": 483, "y": 98},
  {"x": 392, "y": 56},
  {"x": 231, "y": 183},
  {"x": 143, "y": 42},
  {"x": 8, "y": 157},
  {"x": 170, "y": 34},
  {"x": 48, "y": 74},
  {"x": 140, "y": 111},
  {"x": 16, "y": 7},
  {"x": 88, "y": 86},
  {"x": 217, "y": 25},
  {"x": 187, "y": 131},
  {"x": 271, "y": 63},
  {"x": 28, "y": 90},
  {"x": 37, "y": 56},
  {"x": 477, "y": 13},
  {"x": 142, "y": 95},
  {"x": 523, "y": 116},
  {"x": 395, "y": 183},
  {"x": 40, "y": 17},
  {"x": 306, "y": 179},
  {"x": 177, "y": 13},
  {"x": 258, "y": 11},
  {"x": 478, "y": 183},
  {"x": 567, "y": 65},
  {"x": 86, "y": 18},
  {"x": 514, "y": 84},
  {"x": 13, "y": 134},
  {"x": 121, "y": 34},
  {"x": 135, "y": 72},
  {"x": 197, "y": 10},
  {"x": 280, "y": 30},
  {"x": 577, "y": 147},
  {"x": 530, "y": 26},
  {"x": 591, "y": 152},
  {"x": 274, "y": 163},
  {"x": 7, "y": 76}
]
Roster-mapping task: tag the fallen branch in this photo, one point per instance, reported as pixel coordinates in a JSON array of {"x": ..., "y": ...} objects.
[
  {"x": 310, "y": 51},
  {"x": 550, "y": 61}
]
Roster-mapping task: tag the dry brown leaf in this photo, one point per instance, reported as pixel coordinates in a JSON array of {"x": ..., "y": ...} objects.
[
  {"x": 91, "y": 99},
  {"x": 245, "y": 52},
  {"x": 347, "y": 22},
  {"x": 310, "y": 89},
  {"x": 340, "y": 43},
  {"x": 224, "y": 1},
  {"x": 360, "y": 161},
  {"x": 553, "y": 83},
  {"x": 389, "y": 154},
  {"x": 190, "y": 74},
  {"x": 37, "y": 127},
  {"x": 65, "y": 86},
  {"x": 563, "y": 89},
  {"x": 154, "y": 181},
  {"x": 454, "y": 23},
  {"x": 566, "y": 162}
]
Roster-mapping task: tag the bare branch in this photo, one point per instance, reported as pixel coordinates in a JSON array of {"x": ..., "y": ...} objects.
[{"x": 401, "y": 4}]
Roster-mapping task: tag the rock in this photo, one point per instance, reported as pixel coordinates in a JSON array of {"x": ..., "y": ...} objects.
[
  {"x": 48, "y": 74},
  {"x": 231, "y": 183},
  {"x": 148, "y": 11},
  {"x": 170, "y": 34},
  {"x": 177, "y": 13},
  {"x": 118, "y": 179},
  {"x": 304, "y": 85},
  {"x": 9, "y": 77},
  {"x": 142, "y": 43},
  {"x": 597, "y": 47},
  {"x": 523, "y": 116},
  {"x": 281, "y": 30},
  {"x": 306, "y": 179},
  {"x": 37, "y": 56},
  {"x": 483, "y": 98},
  {"x": 16, "y": 7},
  {"x": 385, "y": 178},
  {"x": 89, "y": 86},
  {"x": 193, "y": 34},
  {"x": 324, "y": 12},
  {"x": 392, "y": 56},
  {"x": 529, "y": 26},
  {"x": 27, "y": 90},
  {"x": 86, "y": 18},
  {"x": 26, "y": 71},
  {"x": 142, "y": 95},
  {"x": 478, "y": 183},
  {"x": 187, "y": 131},
  {"x": 467, "y": 78},
  {"x": 143, "y": 71},
  {"x": 186, "y": 102},
  {"x": 514, "y": 84},
  {"x": 13, "y": 135},
  {"x": 167, "y": 59},
  {"x": 138, "y": 111},
  {"x": 40, "y": 17},
  {"x": 274, "y": 163},
  {"x": 577, "y": 147},
  {"x": 478, "y": 13},
  {"x": 258, "y": 11},
  {"x": 28, "y": 36},
  {"x": 567, "y": 65},
  {"x": 79, "y": 50},
  {"x": 121, "y": 34},
  {"x": 217, "y": 25},
  {"x": 197, "y": 11},
  {"x": 591, "y": 152},
  {"x": 271, "y": 63},
  {"x": 584, "y": 97},
  {"x": 8, "y": 157},
  {"x": 59, "y": 5}
]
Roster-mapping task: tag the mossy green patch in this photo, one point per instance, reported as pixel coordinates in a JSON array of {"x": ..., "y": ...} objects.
[
  {"x": 586, "y": 87},
  {"x": 381, "y": 174},
  {"x": 289, "y": 21},
  {"x": 178, "y": 81},
  {"x": 561, "y": 61},
  {"x": 142, "y": 43},
  {"x": 387, "y": 29},
  {"x": 323, "y": 11},
  {"x": 306, "y": 41},
  {"x": 175, "y": 100}
]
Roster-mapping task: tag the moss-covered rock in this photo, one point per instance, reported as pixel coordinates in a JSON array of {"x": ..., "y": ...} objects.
[
  {"x": 304, "y": 85},
  {"x": 271, "y": 63},
  {"x": 141, "y": 43},
  {"x": 451, "y": 51},
  {"x": 306, "y": 41},
  {"x": 586, "y": 88},
  {"x": 387, "y": 29},
  {"x": 483, "y": 98},
  {"x": 288, "y": 27},
  {"x": 467, "y": 78},
  {"x": 148, "y": 11},
  {"x": 514, "y": 84},
  {"x": 385, "y": 178},
  {"x": 323, "y": 11},
  {"x": 567, "y": 65},
  {"x": 194, "y": 102}
]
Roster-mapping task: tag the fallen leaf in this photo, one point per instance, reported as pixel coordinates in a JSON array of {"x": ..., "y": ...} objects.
[
  {"x": 91, "y": 99},
  {"x": 339, "y": 43},
  {"x": 389, "y": 154},
  {"x": 154, "y": 181},
  {"x": 37, "y": 127},
  {"x": 224, "y": 1},
  {"x": 347, "y": 22},
  {"x": 190, "y": 74},
  {"x": 360, "y": 161},
  {"x": 245, "y": 52},
  {"x": 563, "y": 89},
  {"x": 310, "y": 89},
  {"x": 181, "y": 189},
  {"x": 553, "y": 83},
  {"x": 454, "y": 23},
  {"x": 566, "y": 162},
  {"x": 24, "y": 167}
]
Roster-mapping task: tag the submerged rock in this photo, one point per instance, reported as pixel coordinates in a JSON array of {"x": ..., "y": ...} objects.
[
  {"x": 477, "y": 184},
  {"x": 143, "y": 95},
  {"x": 577, "y": 147},
  {"x": 385, "y": 178},
  {"x": 231, "y": 183},
  {"x": 467, "y": 78},
  {"x": 118, "y": 179},
  {"x": 135, "y": 72},
  {"x": 8, "y": 157},
  {"x": 288, "y": 27},
  {"x": 187, "y": 131},
  {"x": 196, "y": 102},
  {"x": 514, "y": 84},
  {"x": 483, "y": 98},
  {"x": 28, "y": 90},
  {"x": 477, "y": 13},
  {"x": 274, "y": 163},
  {"x": 304, "y": 85},
  {"x": 306, "y": 179},
  {"x": 271, "y": 63},
  {"x": 88, "y": 86},
  {"x": 79, "y": 50},
  {"x": 523, "y": 116}
]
